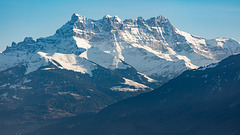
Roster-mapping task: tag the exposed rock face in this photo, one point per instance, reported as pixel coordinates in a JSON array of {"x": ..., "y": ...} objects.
[{"x": 150, "y": 46}]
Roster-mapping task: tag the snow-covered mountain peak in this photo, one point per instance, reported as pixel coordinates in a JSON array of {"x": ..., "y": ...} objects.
[
  {"x": 128, "y": 21},
  {"x": 162, "y": 18},
  {"x": 111, "y": 17},
  {"x": 117, "y": 19},
  {"x": 76, "y": 17},
  {"x": 29, "y": 40},
  {"x": 107, "y": 16},
  {"x": 14, "y": 44},
  {"x": 108, "y": 23},
  {"x": 153, "y": 46},
  {"x": 159, "y": 21},
  {"x": 140, "y": 18},
  {"x": 154, "y": 21}
]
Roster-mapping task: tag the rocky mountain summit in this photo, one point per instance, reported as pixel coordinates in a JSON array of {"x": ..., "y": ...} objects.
[{"x": 153, "y": 47}]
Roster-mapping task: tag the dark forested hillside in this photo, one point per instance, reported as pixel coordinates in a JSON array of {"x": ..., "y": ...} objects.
[{"x": 198, "y": 102}]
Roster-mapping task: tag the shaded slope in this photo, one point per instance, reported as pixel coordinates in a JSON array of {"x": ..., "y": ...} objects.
[
  {"x": 197, "y": 102},
  {"x": 48, "y": 94}
]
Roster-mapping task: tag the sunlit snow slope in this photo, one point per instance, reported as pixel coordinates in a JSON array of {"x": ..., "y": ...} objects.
[{"x": 154, "y": 47}]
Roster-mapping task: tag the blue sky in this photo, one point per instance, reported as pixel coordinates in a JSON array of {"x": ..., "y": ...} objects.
[{"x": 41, "y": 18}]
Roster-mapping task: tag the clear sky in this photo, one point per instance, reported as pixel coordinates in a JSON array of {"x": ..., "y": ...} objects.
[{"x": 41, "y": 18}]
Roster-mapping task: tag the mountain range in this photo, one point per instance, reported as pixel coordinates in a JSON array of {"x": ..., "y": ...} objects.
[
  {"x": 90, "y": 64},
  {"x": 205, "y": 101}
]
